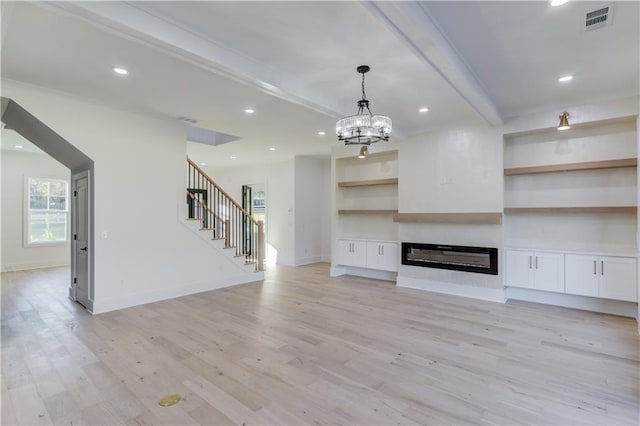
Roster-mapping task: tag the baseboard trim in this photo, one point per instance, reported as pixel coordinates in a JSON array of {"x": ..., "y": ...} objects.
[
  {"x": 308, "y": 260},
  {"x": 482, "y": 293},
  {"x": 337, "y": 271},
  {"x": 35, "y": 265},
  {"x": 136, "y": 299},
  {"x": 605, "y": 306},
  {"x": 363, "y": 272}
]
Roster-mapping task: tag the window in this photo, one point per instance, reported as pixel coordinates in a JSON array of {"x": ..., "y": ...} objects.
[{"x": 47, "y": 211}]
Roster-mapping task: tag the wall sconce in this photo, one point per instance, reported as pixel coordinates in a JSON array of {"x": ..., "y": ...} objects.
[
  {"x": 363, "y": 152},
  {"x": 564, "y": 121}
]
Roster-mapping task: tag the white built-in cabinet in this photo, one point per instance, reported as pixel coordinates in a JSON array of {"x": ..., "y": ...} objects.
[
  {"x": 351, "y": 253},
  {"x": 607, "y": 277},
  {"x": 382, "y": 255},
  {"x": 379, "y": 255},
  {"x": 366, "y": 198},
  {"x": 570, "y": 209},
  {"x": 535, "y": 270}
]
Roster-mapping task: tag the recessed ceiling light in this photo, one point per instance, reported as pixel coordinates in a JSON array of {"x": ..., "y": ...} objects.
[
  {"x": 321, "y": 133},
  {"x": 120, "y": 71},
  {"x": 423, "y": 110},
  {"x": 556, "y": 3},
  {"x": 565, "y": 78},
  {"x": 272, "y": 149},
  {"x": 249, "y": 111},
  {"x": 203, "y": 164},
  {"x": 19, "y": 146},
  {"x": 233, "y": 157}
]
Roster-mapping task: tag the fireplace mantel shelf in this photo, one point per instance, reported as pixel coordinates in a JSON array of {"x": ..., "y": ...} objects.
[
  {"x": 369, "y": 182},
  {"x": 484, "y": 218},
  {"x": 367, "y": 211}
]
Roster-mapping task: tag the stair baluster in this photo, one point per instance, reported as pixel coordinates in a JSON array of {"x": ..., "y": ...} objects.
[{"x": 221, "y": 214}]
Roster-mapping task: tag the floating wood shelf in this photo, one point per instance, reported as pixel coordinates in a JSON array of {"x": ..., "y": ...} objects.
[
  {"x": 545, "y": 210},
  {"x": 589, "y": 165},
  {"x": 370, "y": 182},
  {"x": 367, "y": 212},
  {"x": 450, "y": 218}
]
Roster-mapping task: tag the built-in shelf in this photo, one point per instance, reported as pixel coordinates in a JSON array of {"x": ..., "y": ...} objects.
[
  {"x": 589, "y": 165},
  {"x": 553, "y": 210},
  {"x": 450, "y": 218},
  {"x": 370, "y": 182},
  {"x": 381, "y": 212}
]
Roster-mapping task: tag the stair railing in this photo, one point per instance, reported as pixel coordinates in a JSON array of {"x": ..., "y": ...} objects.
[{"x": 222, "y": 215}]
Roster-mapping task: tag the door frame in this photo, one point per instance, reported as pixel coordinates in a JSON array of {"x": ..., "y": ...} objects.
[{"x": 74, "y": 218}]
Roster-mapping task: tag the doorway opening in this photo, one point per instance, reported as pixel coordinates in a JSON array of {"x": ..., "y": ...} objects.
[
  {"x": 80, "y": 199},
  {"x": 254, "y": 202}
]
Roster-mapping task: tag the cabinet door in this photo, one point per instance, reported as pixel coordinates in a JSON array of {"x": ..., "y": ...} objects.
[
  {"x": 518, "y": 267},
  {"x": 618, "y": 278},
  {"x": 548, "y": 272},
  {"x": 351, "y": 253},
  {"x": 581, "y": 275},
  {"x": 382, "y": 256}
]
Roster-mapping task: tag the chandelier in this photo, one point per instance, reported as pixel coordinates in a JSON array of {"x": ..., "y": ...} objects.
[{"x": 364, "y": 128}]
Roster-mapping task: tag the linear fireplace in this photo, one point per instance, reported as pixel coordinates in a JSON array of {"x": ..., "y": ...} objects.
[{"x": 483, "y": 260}]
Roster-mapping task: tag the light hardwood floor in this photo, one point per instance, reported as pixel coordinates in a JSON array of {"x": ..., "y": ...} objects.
[{"x": 303, "y": 348}]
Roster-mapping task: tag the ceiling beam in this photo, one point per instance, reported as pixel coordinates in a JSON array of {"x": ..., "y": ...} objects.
[
  {"x": 414, "y": 25},
  {"x": 133, "y": 21}
]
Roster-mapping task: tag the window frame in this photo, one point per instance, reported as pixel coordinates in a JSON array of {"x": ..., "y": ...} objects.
[{"x": 27, "y": 213}]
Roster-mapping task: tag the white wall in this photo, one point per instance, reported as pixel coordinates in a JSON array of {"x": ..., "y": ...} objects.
[
  {"x": 457, "y": 170},
  {"x": 638, "y": 219},
  {"x": 312, "y": 209},
  {"x": 16, "y": 168},
  {"x": 143, "y": 250},
  {"x": 278, "y": 179},
  {"x": 611, "y": 233}
]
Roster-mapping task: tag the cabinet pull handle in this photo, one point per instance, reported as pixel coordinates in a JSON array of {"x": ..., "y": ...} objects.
[
  {"x": 382, "y": 250},
  {"x": 379, "y": 250},
  {"x": 536, "y": 262},
  {"x": 530, "y": 262},
  {"x": 594, "y": 268},
  {"x": 602, "y": 267}
]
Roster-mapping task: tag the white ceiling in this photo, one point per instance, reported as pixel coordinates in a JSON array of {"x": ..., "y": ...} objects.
[{"x": 294, "y": 63}]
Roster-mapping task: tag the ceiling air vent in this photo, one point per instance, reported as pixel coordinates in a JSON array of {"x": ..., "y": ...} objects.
[{"x": 599, "y": 18}]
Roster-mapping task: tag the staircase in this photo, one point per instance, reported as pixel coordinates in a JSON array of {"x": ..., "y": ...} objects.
[{"x": 214, "y": 211}]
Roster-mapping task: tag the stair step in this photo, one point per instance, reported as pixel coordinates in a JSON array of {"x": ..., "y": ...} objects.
[
  {"x": 241, "y": 255},
  {"x": 207, "y": 229},
  {"x": 193, "y": 218},
  {"x": 218, "y": 238}
]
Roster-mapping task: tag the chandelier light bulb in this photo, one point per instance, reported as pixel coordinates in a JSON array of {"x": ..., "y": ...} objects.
[{"x": 364, "y": 128}]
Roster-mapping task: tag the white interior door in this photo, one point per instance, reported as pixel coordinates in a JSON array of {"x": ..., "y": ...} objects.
[{"x": 81, "y": 238}]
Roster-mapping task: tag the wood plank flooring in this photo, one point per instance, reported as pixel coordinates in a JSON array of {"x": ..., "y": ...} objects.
[{"x": 303, "y": 348}]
